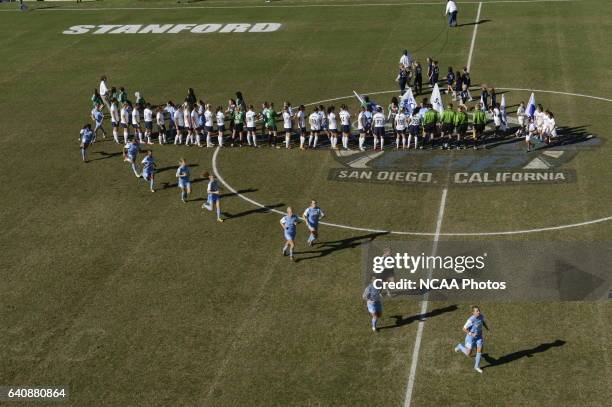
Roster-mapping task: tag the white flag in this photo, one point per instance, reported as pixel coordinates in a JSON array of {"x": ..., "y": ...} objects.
[
  {"x": 502, "y": 109},
  {"x": 482, "y": 104},
  {"x": 531, "y": 106},
  {"x": 408, "y": 102},
  {"x": 436, "y": 100}
]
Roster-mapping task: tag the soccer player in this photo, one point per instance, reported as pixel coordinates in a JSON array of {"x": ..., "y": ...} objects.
[
  {"x": 148, "y": 169},
  {"x": 251, "y": 117},
  {"x": 461, "y": 124},
  {"x": 195, "y": 126},
  {"x": 189, "y": 125},
  {"x": 238, "y": 125},
  {"x": 136, "y": 123},
  {"x": 182, "y": 173},
  {"x": 539, "y": 121},
  {"x": 332, "y": 125},
  {"x": 372, "y": 297},
  {"x": 448, "y": 124},
  {"x": 214, "y": 196},
  {"x": 473, "y": 336},
  {"x": 147, "y": 115},
  {"x": 400, "y": 129},
  {"x": 361, "y": 127},
  {"x": 497, "y": 122},
  {"x": 125, "y": 121},
  {"x": 86, "y": 137},
  {"x": 551, "y": 126},
  {"x": 301, "y": 122},
  {"x": 115, "y": 119},
  {"x": 530, "y": 133},
  {"x": 98, "y": 118},
  {"x": 414, "y": 128},
  {"x": 324, "y": 124},
  {"x": 379, "y": 128},
  {"x": 520, "y": 115},
  {"x": 179, "y": 121},
  {"x": 270, "y": 119},
  {"x": 130, "y": 153},
  {"x": 220, "y": 117},
  {"x": 315, "y": 126},
  {"x": 287, "y": 125},
  {"x": 313, "y": 214},
  {"x": 466, "y": 82},
  {"x": 208, "y": 125},
  {"x": 289, "y": 225},
  {"x": 161, "y": 125},
  {"x": 345, "y": 124},
  {"x": 418, "y": 78},
  {"x": 392, "y": 111},
  {"x": 480, "y": 119},
  {"x": 450, "y": 80}
]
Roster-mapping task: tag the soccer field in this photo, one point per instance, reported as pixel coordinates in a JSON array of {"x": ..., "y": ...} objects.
[{"x": 133, "y": 298}]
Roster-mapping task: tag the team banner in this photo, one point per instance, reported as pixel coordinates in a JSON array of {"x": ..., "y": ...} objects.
[{"x": 490, "y": 270}]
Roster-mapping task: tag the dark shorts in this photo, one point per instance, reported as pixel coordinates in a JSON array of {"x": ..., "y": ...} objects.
[
  {"x": 239, "y": 127},
  {"x": 379, "y": 131},
  {"x": 287, "y": 130},
  {"x": 400, "y": 132},
  {"x": 430, "y": 128},
  {"x": 251, "y": 129},
  {"x": 180, "y": 128},
  {"x": 302, "y": 131},
  {"x": 333, "y": 131},
  {"x": 209, "y": 129},
  {"x": 135, "y": 125},
  {"x": 271, "y": 127},
  {"x": 462, "y": 128},
  {"x": 149, "y": 125},
  {"x": 124, "y": 126},
  {"x": 414, "y": 130},
  {"x": 346, "y": 128},
  {"x": 114, "y": 124},
  {"x": 161, "y": 127},
  {"x": 447, "y": 127},
  {"x": 221, "y": 128},
  {"x": 479, "y": 127}
]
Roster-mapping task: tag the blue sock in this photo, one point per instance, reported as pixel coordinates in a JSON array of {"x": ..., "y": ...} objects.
[
  {"x": 83, "y": 153},
  {"x": 477, "y": 363}
]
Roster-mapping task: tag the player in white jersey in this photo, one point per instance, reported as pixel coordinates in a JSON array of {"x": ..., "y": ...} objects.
[
  {"x": 345, "y": 126},
  {"x": 539, "y": 121},
  {"x": 497, "y": 122},
  {"x": 147, "y": 115},
  {"x": 208, "y": 125},
  {"x": 251, "y": 122},
  {"x": 161, "y": 125},
  {"x": 189, "y": 125},
  {"x": 550, "y": 126},
  {"x": 195, "y": 123},
  {"x": 400, "y": 129},
  {"x": 520, "y": 115},
  {"x": 324, "y": 123},
  {"x": 332, "y": 126},
  {"x": 301, "y": 123},
  {"x": 361, "y": 127},
  {"x": 379, "y": 128},
  {"x": 115, "y": 119},
  {"x": 136, "y": 123},
  {"x": 220, "y": 117},
  {"x": 125, "y": 121},
  {"x": 314, "y": 120},
  {"x": 287, "y": 125},
  {"x": 179, "y": 122},
  {"x": 530, "y": 133}
]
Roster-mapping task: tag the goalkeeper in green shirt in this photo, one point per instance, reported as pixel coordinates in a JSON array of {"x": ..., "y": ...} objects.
[
  {"x": 238, "y": 125},
  {"x": 448, "y": 125},
  {"x": 480, "y": 120}
]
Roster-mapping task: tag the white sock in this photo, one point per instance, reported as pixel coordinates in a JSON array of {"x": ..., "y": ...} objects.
[
  {"x": 375, "y": 142},
  {"x": 397, "y": 141},
  {"x": 287, "y": 140},
  {"x": 302, "y": 140},
  {"x": 361, "y": 140},
  {"x": 220, "y": 141},
  {"x": 316, "y": 138},
  {"x": 310, "y": 138},
  {"x": 382, "y": 142},
  {"x": 409, "y": 140}
]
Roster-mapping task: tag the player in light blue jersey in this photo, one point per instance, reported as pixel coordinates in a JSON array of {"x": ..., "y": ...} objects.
[
  {"x": 473, "y": 336},
  {"x": 313, "y": 214},
  {"x": 148, "y": 169},
  {"x": 130, "y": 153},
  {"x": 86, "y": 138},
  {"x": 372, "y": 297},
  {"x": 214, "y": 195},
  {"x": 183, "y": 173},
  {"x": 289, "y": 225},
  {"x": 98, "y": 117}
]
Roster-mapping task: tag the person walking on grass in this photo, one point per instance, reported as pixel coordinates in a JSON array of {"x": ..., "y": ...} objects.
[
  {"x": 473, "y": 336},
  {"x": 289, "y": 226},
  {"x": 371, "y": 295},
  {"x": 86, "y": 138},
  {"x": 451, "y": 12},
  {"x": 213, "y": 200}
]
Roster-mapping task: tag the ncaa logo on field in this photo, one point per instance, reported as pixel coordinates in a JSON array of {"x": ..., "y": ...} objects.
[{"x": 499, "y": 161}]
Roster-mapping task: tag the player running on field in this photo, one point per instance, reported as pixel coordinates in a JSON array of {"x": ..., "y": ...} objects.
[
  {"x": 289, "y": 225},
  {"x": 98, "y": 118},
  {"x": 86, "y": 138},
  {"x": 473, "y": 336},
  {"x": 214, "y": 196},
  {"x": 373, "y": 299},
  {"x": 183, "y": 173},
  {"x": 313, "y": 214},
  {"x": 130, "y": 153},
  {"x": 148, "y": 169}
]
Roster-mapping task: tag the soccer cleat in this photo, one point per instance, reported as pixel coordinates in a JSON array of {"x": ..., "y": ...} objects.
[
  {"x": 219, "y": 220},
  {"x": 479, "y": 370},
  {"x": 152, "y": 190},
  {"x": 374, "y": 329}
]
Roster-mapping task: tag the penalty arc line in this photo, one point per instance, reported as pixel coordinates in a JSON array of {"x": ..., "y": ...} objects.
[{"x": 425, "y": 303}]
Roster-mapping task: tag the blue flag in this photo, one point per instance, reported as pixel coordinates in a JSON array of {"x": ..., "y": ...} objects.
[{"x": 531, "y": 106}]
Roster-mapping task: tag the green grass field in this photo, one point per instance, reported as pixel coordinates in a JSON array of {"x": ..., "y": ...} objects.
[{"x": 136, "y": 299}]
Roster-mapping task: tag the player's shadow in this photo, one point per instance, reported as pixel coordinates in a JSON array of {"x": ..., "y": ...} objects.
[
  {"x": 401, "y": 320},
  {"x": 171, "y": 168},
  {"x": 267, "y": 209},
  {"x": 240, "y": 191},
  {"x": 327, "y": 248},
  {"x": 106, "y": 155},
  {"x": 526, "y": 353},
  {"x": 473, "y": 23}
]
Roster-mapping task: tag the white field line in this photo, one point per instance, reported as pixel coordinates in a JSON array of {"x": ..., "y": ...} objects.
[
  {"x": 431, "y": 3},
  {"x": 469, "y": 62}
]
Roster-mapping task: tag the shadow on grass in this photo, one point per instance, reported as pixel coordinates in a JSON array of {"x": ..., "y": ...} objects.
[
  {"x": 327, "y": 248},
  {"x": 473, "y": 23},
  {"x": 229, "y": 215},
  {"x": 105, "y": 155},
  {"x": 401, "y": 321},
  {"x": 526, "y": 353}
]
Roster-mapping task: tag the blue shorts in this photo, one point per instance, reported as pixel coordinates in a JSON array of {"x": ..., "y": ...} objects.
[
  {"x": 312, "y": 225},
  {"x": 212, "y": 198},
  {"x": 85, "y": 145},
  {"x": 379, "y": 131},
  {"x": 184, "y": 184},
  {"x": 147, "y": 174},
  {"x": 114, "y": 124},
  {"x": 289, "y": 236},
  {"x": 149, "y": 125},
  {"x": 414, "y": 130},
  {"x": 209, "y": 129},
  {"x": 471, "y": 342},
  {"x": 346, "y": 128},
  {"x": 221, "y": 128},
  {"x": 124, "y": 125},
  {"x": 375, "y": 307},
  {"x": 135, "y": 126},
  {"x": 132, "y": 158},
  {"x": 251, "y": 129}
]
